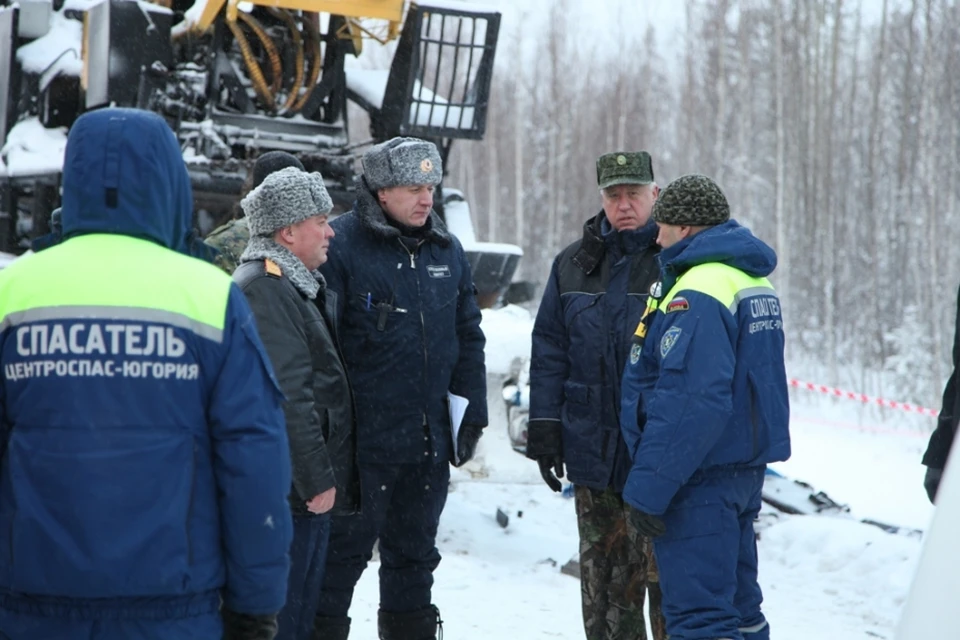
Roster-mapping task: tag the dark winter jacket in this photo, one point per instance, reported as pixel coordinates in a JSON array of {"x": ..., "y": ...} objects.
[
  {"x": 596, "y": 294},
  {"x": 318, "y": 406},
  {"x": 938, "y": 450},
  {"x": 409, "y": 330},
  {"x": 143, "y": 457},
  {"x": 708, "y": 381}
]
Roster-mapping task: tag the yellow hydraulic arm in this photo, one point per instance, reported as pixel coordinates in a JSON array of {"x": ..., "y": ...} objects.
[{"x": 391, "y": 10}]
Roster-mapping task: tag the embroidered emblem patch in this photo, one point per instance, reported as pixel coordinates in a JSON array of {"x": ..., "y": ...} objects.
[
  {"x": 668, "y": 340},
  {"x": 426, "y": 166},
  {"x": 438, "y": 270},
  {"x": 677, "y": 304},
  {"x": 635, "y": 353}
]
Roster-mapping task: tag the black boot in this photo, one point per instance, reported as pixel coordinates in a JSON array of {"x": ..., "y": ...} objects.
[
  {"x": 330, "y": 628},
  {"x": 410, "y": 625}
]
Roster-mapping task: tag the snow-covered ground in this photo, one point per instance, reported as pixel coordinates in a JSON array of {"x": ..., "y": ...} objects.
[{"x": 823, "y": 577}]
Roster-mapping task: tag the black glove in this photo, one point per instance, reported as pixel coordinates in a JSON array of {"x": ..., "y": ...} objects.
[
  {"x": 545, "y": 445},
  {"x": 467, "y": 442},
  {"x": 547, "y": 468},
  {"x": 243, "y": 626},
  {"x": 646, "y": 524},
  {"x": 931, "y": 482}
]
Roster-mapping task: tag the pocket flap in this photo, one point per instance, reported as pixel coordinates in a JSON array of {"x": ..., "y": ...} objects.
[{"x": 576, "y": 392}]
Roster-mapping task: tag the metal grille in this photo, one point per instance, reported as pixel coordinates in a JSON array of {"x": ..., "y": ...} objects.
[{"x": 439, "y": 85}]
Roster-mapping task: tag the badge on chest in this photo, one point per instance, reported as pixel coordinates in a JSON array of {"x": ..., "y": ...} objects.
[{"x": 438, "y": 271}]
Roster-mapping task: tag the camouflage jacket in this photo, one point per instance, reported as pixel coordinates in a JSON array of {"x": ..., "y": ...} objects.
[{"x": 230, "y": 240}]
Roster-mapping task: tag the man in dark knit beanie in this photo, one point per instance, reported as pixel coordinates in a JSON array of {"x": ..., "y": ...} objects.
[
  {"x": 704, "y": 409},
  {"x": 231, "y": 239}
]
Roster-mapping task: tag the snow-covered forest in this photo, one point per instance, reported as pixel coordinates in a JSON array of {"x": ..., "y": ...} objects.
[{"x": 832, "y": 125}]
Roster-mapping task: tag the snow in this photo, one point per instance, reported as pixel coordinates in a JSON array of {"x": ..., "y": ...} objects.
[
  {"x": 460, "y": 223},
  {"x": 58, "y": 50},
  {"x": 32, "y": 149},
  {"x": 457, "y": 217},
  {"x": 825, "y": 577},
  {"x": 888, "y": 483},
  {"x": 508, "y": 336},
  {"x": 371, "y": 84}
]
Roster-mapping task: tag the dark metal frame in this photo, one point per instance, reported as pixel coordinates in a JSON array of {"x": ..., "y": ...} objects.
[{"x": 403, "y": 104}]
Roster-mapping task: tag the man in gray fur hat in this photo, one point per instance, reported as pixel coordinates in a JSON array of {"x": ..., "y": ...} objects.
[
  {"x": 231, "y": 238},
  {"x": 289, "y": 239},
  {"x": 409, "y": 328}
]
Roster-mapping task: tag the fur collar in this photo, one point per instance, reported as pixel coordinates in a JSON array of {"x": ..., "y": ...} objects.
[
  {"x": 261, "y": 248},
  {"x": 374, "y": 219}
]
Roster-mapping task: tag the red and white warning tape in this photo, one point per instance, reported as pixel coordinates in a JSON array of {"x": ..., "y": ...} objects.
[{"x": 850, "y": 395}]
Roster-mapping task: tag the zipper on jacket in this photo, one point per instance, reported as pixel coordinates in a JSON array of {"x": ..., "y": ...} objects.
[
  {"x": 423, "y": 327},
  {"x": 426, "y": 358},
  {"x": 413, "y": 263}
]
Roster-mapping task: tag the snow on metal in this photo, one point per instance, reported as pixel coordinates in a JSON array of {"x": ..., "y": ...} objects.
[
  {"x": 32, "y": 149},
  {"x": 59, "y": 49},
  {"x": 371, "y": 84}
]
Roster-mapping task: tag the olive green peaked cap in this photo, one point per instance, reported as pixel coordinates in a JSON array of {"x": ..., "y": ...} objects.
[{"x": 622, "y": 167}]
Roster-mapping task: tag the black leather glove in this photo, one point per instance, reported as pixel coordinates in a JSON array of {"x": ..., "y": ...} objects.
[
  {"x": 549, "y": 466},
  {"x": 467, "y": 442},
  {"x": 545, "y": 445},
  {"x": 931, "y": 482},
  {"x": 646, "y": 524},
  {"x": 243, "y": 626}
]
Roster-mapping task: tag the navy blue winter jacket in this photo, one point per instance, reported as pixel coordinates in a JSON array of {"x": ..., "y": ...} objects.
[
  {"x": 594, "y": 298},
  {"x": 144, "y": 464},
  {"x": 408, "y": 325},
  {"x": 706, "y": 389}
]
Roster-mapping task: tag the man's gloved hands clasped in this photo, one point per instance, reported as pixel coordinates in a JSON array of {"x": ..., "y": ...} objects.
[
  {"x": 467, "y": 442},
  {"x": 545, "y": 445},
  {"x": 243, "y": 626},
  {"x": 646, "y": 524},
  {"x": 931, "y": 482}
]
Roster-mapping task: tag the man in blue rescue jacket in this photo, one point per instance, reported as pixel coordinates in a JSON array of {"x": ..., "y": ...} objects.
[
  {"x": 707, "y": 381},
  {"x": 407, "y": 320},
  {"x": 144, "y": 465}
]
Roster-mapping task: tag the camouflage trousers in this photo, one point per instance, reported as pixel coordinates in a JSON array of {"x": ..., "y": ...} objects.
[{"x": 617, "y": 569}]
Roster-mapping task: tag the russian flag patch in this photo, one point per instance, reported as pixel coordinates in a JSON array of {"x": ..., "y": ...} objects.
[{"x": 677, "y": 304}]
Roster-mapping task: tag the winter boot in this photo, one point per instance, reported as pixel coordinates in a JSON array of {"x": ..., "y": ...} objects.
[
  {"x": 330, "y": 628},
  {"x": 410, "y": 625}
]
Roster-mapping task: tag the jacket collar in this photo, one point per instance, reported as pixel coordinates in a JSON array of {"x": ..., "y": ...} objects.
[
  {"x": 373, "y": 218},
  {"x": 260, "y": 248},
  {"x": 599, "y": 237}
]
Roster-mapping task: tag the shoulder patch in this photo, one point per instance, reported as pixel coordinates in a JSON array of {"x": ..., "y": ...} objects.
[
  {"x": 668, "y": 340},
  {"x": 677, "y": 304},
  {"x": 272, "y": 268}
]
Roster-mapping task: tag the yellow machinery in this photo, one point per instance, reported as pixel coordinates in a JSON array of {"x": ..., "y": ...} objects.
[{"x": 237, "y": 78}]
